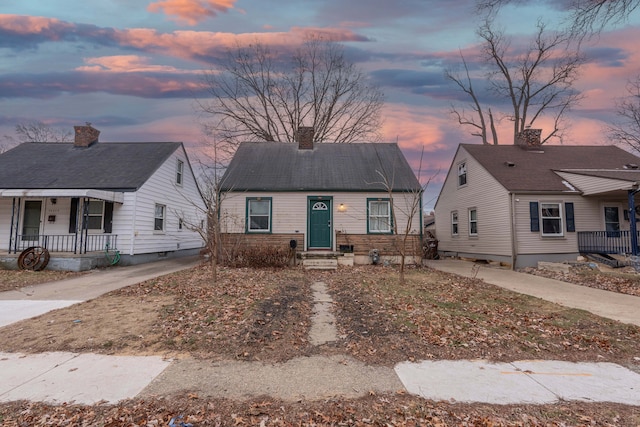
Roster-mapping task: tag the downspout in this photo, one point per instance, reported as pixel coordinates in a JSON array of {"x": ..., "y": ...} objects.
[
  {"x": 632, "y": 222},
  {"x": 133, "y": 223},
  {"x": 514, "y": 238}
]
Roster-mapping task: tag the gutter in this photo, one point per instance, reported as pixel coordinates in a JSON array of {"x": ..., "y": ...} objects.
[{"x": 514, "y": 239}]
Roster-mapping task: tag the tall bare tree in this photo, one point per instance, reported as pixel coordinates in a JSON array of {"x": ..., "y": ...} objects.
[
  {"x": 262, "y": 95},
  {"x": 37, "y": 131},
  {"x": 586, "y": 17},
  {"x": 525, "y": 84},
  {"x": 626, "y": 130}
]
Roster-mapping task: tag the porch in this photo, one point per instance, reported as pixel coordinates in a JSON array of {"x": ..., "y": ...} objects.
[
  {"x": 77, "y": 243},
  {"x": 607, "y": 242}
]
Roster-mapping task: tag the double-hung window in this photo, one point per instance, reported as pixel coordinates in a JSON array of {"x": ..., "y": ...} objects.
[
  {"x": 179, "y": 172},
  {"x": 551, "y": 215},
  {"x": 159, "y": 217},
  {"x": 259, "y": 215},
  {"x": 95, "y": 214},
  {"x": 454, "y": 223},
  {"x": 462, "y": 174},
  {"x": 379, "y": 216},
  {"x": 473, "y": 222},
  {"x": 612, "y": 221}
]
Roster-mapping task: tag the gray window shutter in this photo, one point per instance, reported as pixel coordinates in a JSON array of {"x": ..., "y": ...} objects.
[
  {"x": 568, "y": 209},
  {"x": 108, "y": 216},
  {"x": 535, "y": 216},
  {"x": 73, "y": 215}
]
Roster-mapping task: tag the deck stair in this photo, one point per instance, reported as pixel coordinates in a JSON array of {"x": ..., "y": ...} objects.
[
  {"x": 606, "y": 259},
  {"x": 319, "y": 260}
]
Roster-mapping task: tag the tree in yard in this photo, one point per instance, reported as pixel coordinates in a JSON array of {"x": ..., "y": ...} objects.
[
  {"x": 525, "y": 85},
  {"x": 37, "y": 131},
  {"x": 626, "y": 129},
  {"x": 587, "y": 17},
  {"x": 258, "y": 95}
]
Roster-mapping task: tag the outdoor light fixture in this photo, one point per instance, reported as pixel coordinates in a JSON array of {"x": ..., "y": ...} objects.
[{"x": 342, "y": 208}]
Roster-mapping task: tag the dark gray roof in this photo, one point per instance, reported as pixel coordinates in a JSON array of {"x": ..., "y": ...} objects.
[
  {"x": 278, "y": 166},
  {"x": 533, "y": 170},
  {"x": 114, "y": 166}
]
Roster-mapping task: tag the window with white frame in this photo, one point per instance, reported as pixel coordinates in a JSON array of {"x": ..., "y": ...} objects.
[
  {"x": 159, "y": 217},
  {"x": 454, "y": 223},
  {"x": 379, "y": 220},
  {"x": 473, "y": 222},
  {"x": 551, "y": 215},
  {"x": 612, "y": 221},
  {"x": 259, "y": 215},
  {"x": 95, "y": 215},
  {"x": 179, "y": 172},
  {"x": 462, "y": 174}
]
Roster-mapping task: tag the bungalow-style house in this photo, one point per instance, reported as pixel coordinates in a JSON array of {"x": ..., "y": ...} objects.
[
  {"x": 323, "y": 197},
  {"x": 79, "y": 199},
  {"x": 523, "y": 203}
]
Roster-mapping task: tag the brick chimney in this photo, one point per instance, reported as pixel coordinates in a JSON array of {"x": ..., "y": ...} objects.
[
  {"x": 530, "y": 138},
  {"x": 304, "y": 137},
  {"x": 85, "y": 135}
]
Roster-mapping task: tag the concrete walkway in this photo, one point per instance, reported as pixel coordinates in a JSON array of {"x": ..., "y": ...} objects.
[
  {"x": 612, "y": 305},
  {"x": 60, "y": 377}
]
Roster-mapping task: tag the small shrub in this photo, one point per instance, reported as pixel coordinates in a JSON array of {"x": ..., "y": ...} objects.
[{"x": 260, "y": 257}]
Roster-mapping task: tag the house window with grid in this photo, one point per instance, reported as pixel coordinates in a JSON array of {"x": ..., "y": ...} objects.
[
  {"x": 551, "y": 215},
  {"x": 462, "y": 174},
  {"x": 473, "y": 222},
  {"x": 179, "y": 172},
  {"x": 380, "y": 220},
  {"x": 259, "y": 215},
  {"x": 454, "y": 223},
  {"x": 95, "y": 214},
  {"x": 159, "y": 217}
]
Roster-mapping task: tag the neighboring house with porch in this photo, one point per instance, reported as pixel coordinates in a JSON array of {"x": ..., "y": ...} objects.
[
  {"x": 326, "y": 197},
  {"x": 524, "y": 203},
  {"x": 76, "y": 199}
]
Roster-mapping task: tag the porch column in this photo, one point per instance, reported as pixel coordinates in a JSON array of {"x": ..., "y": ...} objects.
[{"x": 632, "y": 223}]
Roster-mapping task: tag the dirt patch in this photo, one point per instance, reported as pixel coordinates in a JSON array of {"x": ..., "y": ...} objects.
[{"x": 15, "y": 279}]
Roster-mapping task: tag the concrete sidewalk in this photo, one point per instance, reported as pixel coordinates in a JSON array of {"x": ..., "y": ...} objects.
[
  {"x": 91, "y": 378},
  {"x": 612, "y": 305}
]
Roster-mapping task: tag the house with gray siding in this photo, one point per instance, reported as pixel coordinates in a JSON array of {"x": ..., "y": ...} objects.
[
  {"x": 79, "y": 199},
  {"x": 322, "y": 197},
  {"x": 523, "y": 203}
]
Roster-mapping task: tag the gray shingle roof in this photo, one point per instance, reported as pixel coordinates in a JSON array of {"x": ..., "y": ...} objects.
[
  {"x": 115, "y": 166},
  {"x": 276, "y": 166},
  {"x": 534, "y": 170}
]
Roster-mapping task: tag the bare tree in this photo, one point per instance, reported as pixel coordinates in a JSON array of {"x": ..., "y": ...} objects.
[
  {"x": 37, "y": 131},
  {"x": 260, "y": 95},
  {"x": 526, "y": 85},
  {"x": 587, "y": 17},
  {"x": 626, "y": 130}
]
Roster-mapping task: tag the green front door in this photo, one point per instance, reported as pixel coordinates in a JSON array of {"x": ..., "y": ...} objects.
[
  {"x": 31, "y": 222},
  {"x": 319, "y": 223}
]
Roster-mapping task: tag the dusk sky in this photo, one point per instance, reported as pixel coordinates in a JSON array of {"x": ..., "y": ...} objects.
[{"x": 134, "y": 67}]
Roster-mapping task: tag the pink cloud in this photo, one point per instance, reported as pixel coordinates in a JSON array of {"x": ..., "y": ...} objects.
[
  {"x": 191, "y": 12},
  {"x": 25, "y": 25},
  {"x": 126, "y": 64}
]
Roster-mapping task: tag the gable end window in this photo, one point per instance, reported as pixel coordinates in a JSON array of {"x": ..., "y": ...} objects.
[
  {"x": 462, "y": 174},
  {"x": 473, "y": 222},
  {"x": 259, "y": 214},
  {"x": 379, "y": 218},
  {"x": 179, "y": 172},
  {"x": 159, "y": 217},
  {"x": 454, "y": 223}
]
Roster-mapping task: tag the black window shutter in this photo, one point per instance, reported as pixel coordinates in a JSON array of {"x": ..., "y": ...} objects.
[
  {"x": 568, "y": 209},
  {"x": 535, "y": 216},
  {"x": 108, "y": 216},
  {"x": 73, "y": 215}
]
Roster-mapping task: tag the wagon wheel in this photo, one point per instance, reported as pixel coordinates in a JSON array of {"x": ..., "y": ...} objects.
[{"x": 33, "y": 258}]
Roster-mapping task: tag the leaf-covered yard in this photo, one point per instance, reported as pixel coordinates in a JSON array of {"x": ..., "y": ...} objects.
[{"x": 265, "y": 315}]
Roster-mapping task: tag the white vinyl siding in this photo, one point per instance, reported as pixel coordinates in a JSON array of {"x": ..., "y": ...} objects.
[
  {"x": 590, "y": 185},
  {"x": 488, "y": 197}
]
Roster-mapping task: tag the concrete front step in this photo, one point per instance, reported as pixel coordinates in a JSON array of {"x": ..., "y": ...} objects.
[{"x": 320, "y": 264}]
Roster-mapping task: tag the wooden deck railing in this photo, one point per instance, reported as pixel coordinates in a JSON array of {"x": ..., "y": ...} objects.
[{"x": 605, "y": 242}]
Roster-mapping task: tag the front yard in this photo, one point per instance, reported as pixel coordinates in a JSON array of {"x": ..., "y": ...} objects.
[{"x": 265, "y": 315}]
